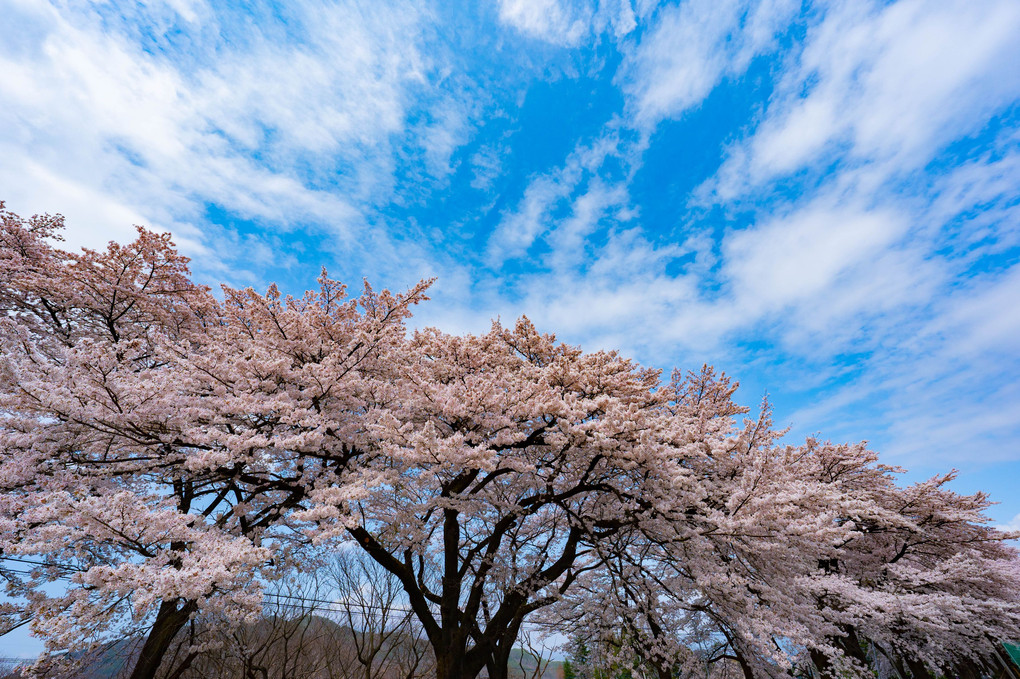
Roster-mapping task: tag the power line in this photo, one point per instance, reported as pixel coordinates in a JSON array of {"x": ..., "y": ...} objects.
[
  {"x": 329, "y": 605},
  {"x": 48, "y": 564},
  {"x": 333, "y": 606}
]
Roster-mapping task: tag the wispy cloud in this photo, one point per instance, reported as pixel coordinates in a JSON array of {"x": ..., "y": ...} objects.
[
  {"x": 91, "y": 112},
  {"x": 838, "y": 225},
  {"x": 533, "y": 217},
  {"x": 876, "y": 282},
  {"x": 884, "y": 85},
  {"x": 1012, "y": 525},
  {"x": 568, "y": 23},
  {"x": 555, "y": 21},
  {"x": 691, "y": 47}
]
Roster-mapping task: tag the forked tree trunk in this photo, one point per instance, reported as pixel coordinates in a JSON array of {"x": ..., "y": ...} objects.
[
  {"x": 499, "y": 664},
  {"x": 453, "y": 663},
  {"x": 822, "y": 664},
  {"x": 456, "y": 661},
  {"x": 169, "y": 621},
  {"x": 918, "y": 669}
]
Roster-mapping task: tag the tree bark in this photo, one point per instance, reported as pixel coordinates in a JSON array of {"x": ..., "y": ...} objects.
[
  {"x": 822, "y": 663},
  {"x": 455, "y": 662},
  {"x": 745, "y": 666},
  {"x": 499, "y": 663},
  {"x": 918, "y": 669},
  {"x": 169, "y": 621},
  {"x": 966, "y": 669},
  {"x": 851, "y": 646}
]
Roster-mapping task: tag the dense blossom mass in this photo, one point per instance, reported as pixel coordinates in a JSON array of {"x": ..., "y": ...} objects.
[{"x": 167, "y": 452}]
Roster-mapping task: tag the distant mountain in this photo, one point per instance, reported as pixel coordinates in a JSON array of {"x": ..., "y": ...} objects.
[
  {"x": 111, "y": 660},
  {"x": 520, "y": 658}
]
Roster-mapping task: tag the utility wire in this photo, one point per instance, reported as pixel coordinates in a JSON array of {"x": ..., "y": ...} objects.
[
  {"x": 48, "y": 564},
  {"x": 295, "y": 602},
  {"x": 330, "y": 606}
]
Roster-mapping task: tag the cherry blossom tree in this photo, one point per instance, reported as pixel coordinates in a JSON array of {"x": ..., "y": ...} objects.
[
  {"x": 922, "y": 580},
  {"x": 807, "y": 555},
  {"x": 168, "y": 452},
  {"x": 150, "y": 453},
  {"x": 506, "y": 458}
]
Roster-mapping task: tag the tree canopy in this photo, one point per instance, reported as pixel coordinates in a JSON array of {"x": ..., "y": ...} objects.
[{"x": 167, "y": 452}]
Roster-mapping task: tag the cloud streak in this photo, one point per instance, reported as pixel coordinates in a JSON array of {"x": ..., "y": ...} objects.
[
  {"x": 102, "y": 120},
  {"x": 820, "y": 198}
]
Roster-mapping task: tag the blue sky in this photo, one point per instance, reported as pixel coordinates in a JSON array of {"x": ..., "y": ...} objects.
[{"x": 820, "y": 199}]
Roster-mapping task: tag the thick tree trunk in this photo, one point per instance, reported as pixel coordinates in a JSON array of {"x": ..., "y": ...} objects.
[
  {"x": 822, "y": 663},
  {"x": 457, "y": 661},
  {"x": 896, "y": 661},
  {"x": 499, "y": 664},
  {"x": 745, "y": 667},
  {"x": 918, "y": 669},
  {"x": 169, "y": 621},
  {"x": 851, "y": 645},
  {"x": 966, "y": 669},
  {"x": 453, "y": 664}
]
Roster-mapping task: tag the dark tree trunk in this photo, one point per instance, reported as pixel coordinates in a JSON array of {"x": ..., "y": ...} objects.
[
  {"x": 745, "y": 667},
  {"x": 896, "y": 661},
  {"x": 455, "y": 662},
  {"x": 499, "y": 663},
  {"x": 448, "y": 665},
  {"x": 491, "y": 652},
  {"x": 822, "y": 663},
  {"x": 851, "y": 646},
  {"x": 966, "y": 669},
  {"x": 917, "y": 669},
  {"x": 169, "y": 621}
]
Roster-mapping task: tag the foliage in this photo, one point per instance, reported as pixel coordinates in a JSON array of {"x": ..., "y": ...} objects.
[{"x": 169, "y": 453}]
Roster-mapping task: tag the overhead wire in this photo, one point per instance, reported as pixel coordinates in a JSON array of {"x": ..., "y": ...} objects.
[{"x": 333, "y": 606}]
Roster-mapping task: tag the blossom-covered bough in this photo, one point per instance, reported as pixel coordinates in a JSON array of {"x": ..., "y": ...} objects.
[
  {"x": 166, "y": 452},
  {"x": 155, "y": 439},
  {"x": 802, "y": 556}
]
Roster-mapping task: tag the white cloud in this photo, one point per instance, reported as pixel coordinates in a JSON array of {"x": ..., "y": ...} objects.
[
  {"x": 692, "y": 47},
  {"x": 1012, "y": 525},
  {"x": 818, "y": 278},
  {"x": 555, "y": 21},
  {"x": 889, "y": 84},
  {"x": 802, "y": 255},
  {"x": 110, "y": 133},
  {"x": 936, "y": 380},
  {"x": 568, "y": 23},
  {"x": 97, "y": 218},
  {"x": 619, "y": 15},
  {"x": 568, "y": 244},
  {"x": 520, "y": 228},
  {"x": 486, "y": 165},
  {"x": 982, "y": 318},
  {"x": 984, "y": 189}
]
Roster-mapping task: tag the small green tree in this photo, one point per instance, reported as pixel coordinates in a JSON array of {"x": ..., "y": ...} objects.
[{"x": 579, "y": 659}]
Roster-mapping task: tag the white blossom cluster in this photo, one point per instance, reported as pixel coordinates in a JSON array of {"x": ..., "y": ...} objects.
[{"x": 168, "y": 452}]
